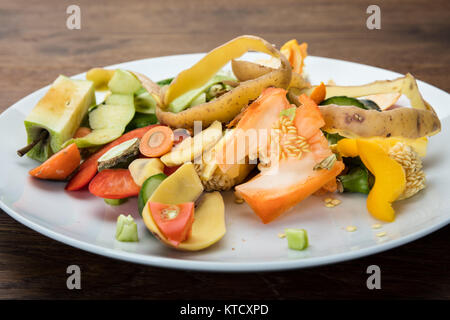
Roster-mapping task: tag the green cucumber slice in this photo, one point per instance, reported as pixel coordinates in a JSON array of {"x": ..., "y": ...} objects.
[
  {"x": 118, "y": 99},
  {"x": 145, "y": 103},
  {"x": 199, "y": 100},
  {"x": 141, "y": 120},
  {"x": 343, "y": 101},
  {"x": 148, "y": 188},
  {"x": 124, "y": 82},
  {"x": 348, "y": 101},
  {"x": 370, "y": 105},
  {"x": 184, "y": 101},
  {"x": 115, "y": 202}
]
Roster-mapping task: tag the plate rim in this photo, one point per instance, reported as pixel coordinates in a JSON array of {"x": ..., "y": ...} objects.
[{"x": 218, "y": 266}]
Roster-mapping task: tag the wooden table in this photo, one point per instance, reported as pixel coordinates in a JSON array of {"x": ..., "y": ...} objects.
[{"x": 36, "y": 46}]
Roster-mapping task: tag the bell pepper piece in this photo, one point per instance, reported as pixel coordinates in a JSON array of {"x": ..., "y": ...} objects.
[
  {"x": 114, "y": 184},
  {"x": 390, "y": 180},
  {"x": 347, "y": 147},
  {"x": 296, "y": 54}
]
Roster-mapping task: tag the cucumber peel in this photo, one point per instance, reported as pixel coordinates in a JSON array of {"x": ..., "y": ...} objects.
[
  {"x": 148, "y": 188},
  {"x": 115, "y": 202},
  {"x": 348, "y": 101}
]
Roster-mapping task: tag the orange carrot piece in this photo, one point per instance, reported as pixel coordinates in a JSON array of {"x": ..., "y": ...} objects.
[
  {"x": 60, "y": 165},
  {"x": 157, "y": 142},
  {"x": 319, "y": 93},
  {"x": 81, "y": 132}
]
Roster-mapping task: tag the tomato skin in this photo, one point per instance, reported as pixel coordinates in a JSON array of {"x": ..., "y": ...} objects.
[
  {"x": 178, "y": 229},
  {"x": 114, "y": 184},
  {"x": 169, "y": 170}
]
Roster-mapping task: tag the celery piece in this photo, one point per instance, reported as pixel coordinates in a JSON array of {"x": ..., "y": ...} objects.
[
  {"x": 126, "y": 229},
  {"x": 297, "y": 238}
]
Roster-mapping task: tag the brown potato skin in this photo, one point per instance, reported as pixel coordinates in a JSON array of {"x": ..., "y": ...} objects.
[
  {"x": 245, "y": 70},
  {"x": 225, "y": 107},
  {"x": 354, "y": 122}
]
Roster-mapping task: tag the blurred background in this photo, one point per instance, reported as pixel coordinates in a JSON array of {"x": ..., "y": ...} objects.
[{"x": 36, "y": 46}]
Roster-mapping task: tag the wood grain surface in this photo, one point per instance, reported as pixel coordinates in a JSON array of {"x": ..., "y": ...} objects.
[{"x": 36, "y": 46}]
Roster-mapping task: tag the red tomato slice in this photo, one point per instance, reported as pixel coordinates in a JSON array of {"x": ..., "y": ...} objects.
[
  {"x": 114, "y": 184},
  {"x": 174, "y": 221}
]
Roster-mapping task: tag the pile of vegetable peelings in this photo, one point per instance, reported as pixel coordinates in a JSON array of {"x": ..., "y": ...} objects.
[{"x": 141, "y": 141}]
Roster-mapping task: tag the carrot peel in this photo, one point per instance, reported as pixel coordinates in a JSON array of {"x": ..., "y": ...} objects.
[{"x": 60, "y": 165}]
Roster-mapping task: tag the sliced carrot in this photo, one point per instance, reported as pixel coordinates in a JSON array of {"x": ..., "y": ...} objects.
[
  {"x": 319, "y": 93},
  {"x": 82, "y": 132},
  {"x": 60, "y": 165},
  {"x": 88, "y": 168},
  {"x": 156, "y": 142}
]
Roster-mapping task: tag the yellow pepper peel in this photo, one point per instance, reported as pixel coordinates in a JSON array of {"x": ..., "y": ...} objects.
[
  {"x": 347, "y": 147},
  {"x": 390, "y": 180},
  {"x": 210, "y": 64}
]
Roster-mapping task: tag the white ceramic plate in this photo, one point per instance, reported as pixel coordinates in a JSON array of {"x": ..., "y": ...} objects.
[{"x": 84, "y": 221}]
